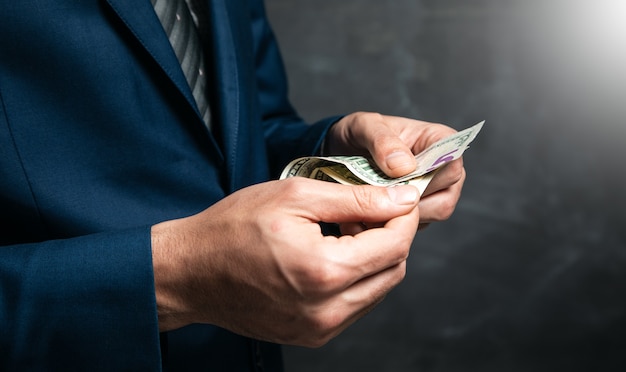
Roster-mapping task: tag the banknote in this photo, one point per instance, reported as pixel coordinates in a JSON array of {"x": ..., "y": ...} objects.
[{"x": 359, "y": 170}]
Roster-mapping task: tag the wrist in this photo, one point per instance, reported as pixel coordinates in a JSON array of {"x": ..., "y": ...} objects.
[{"x": 168, "y": 272}]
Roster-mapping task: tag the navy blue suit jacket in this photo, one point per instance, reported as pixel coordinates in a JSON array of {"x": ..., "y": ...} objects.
[{"x": 100, "y": 138}]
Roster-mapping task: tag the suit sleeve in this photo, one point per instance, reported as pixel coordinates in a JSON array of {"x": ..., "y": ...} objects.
[
  {"x": 287, "y": 135},
  {"x": 84, "y": 303}
]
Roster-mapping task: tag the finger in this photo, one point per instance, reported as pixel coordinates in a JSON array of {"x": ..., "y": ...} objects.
[
  {"x": 445, "y": 177},
  {"x": 358, "y": 300},
  {"x": 368, "y": 292},
  {"x": 376, "y": 249},
  {"x": 371, "y": 225},
  {"x": 440, "y": 205},
  {"x": 394, "y": 142},
  {"x": 375, "y": 133},
  {"x": 348, "y": 259},
  {"x": 352, "y": 228}
]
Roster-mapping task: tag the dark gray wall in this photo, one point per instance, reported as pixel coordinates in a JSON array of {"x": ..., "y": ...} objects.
[{"x": 530, "y": 273}]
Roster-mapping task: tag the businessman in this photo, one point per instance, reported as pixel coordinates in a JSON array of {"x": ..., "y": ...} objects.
[{"x": 139, "y": 226}]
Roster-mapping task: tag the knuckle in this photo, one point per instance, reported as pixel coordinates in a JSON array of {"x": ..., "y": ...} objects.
[
  {"x": 401, "y": 272},
  {"x": 435, "y": 131},
  {"x": 319, "y": 280},
  {"x": 322, "y": 328},
  {"x": 364, "y": 197},
  {"x": 292, "y": 184},
  {"x": 442, "y": 129},
  {"x": 383, "y": 140},
  {"x": 316, "y": 342},
  {"x": 403, "y": 256},
  {"x": 295, "y": 188},
  {"x": 446, "y": 209},
  {"x": 370, "y": 116},
  {"x": 457, "y": 170}
]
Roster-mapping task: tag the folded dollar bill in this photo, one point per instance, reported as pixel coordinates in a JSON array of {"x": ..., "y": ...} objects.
[{"x": 359, "y": 170}]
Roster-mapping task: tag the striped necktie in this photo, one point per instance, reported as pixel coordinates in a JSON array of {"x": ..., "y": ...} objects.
[{"x": 178, "y": 24}]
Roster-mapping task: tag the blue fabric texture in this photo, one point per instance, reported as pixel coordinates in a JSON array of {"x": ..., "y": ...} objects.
[{"x": 99, "y": 139}]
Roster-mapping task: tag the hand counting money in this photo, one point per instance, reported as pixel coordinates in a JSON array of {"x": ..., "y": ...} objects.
[{"x": 359, "y": 170}]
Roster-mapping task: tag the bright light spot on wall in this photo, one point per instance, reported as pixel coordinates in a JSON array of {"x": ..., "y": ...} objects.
[{"x": 577, "y": 52}]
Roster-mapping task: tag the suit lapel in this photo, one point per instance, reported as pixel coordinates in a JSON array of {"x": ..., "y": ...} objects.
[
  {"x": 145, "y": 26},
  {"x": 140, "y": 18},
  {"x": 228, "y": 34}
]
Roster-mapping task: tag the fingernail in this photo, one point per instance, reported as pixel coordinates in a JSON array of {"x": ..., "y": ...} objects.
[
  {"x": 398, "y": 159},
  {"x": 403, "y": 194}
]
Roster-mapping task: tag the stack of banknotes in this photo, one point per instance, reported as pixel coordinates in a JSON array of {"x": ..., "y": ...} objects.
[{"x": 359, "y": 170}]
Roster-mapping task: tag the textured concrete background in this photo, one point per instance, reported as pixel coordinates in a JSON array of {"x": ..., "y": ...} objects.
[{"x": 530, "y": 273}]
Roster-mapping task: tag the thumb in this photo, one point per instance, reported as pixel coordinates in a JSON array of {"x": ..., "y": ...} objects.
[
  {"x": 391, "y": 154},
  {"x": 366, "y": 203},
  {"x": 395, "y": 163}
]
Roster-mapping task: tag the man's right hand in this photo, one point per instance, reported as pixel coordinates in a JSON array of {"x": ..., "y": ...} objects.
[{"x": 257, "y": 263}]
